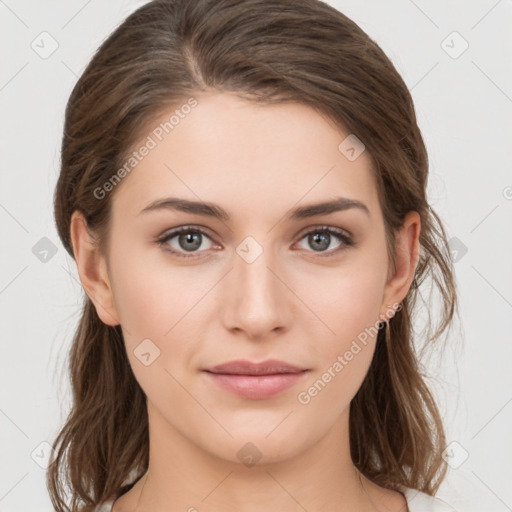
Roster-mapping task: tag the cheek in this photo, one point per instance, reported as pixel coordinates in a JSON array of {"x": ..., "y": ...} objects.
[
  {"x": 161, "y": 303},
  {"x": 349, "y": 308},
  {"x": 346, "y": 299},
  {"x": 151, "y": 294},
  {"x": 150, "y": 310}
]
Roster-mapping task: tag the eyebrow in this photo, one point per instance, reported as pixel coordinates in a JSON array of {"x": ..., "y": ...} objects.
[{"x": 213, "y": 210}]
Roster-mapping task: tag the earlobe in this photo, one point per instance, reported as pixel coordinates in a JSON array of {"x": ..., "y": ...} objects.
[
  {"x": 407, "y": 257},
  {"x": 92, "y": 270}
]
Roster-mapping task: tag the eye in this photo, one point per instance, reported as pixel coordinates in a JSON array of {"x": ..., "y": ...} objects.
[
  {"x": 188, "y": 239},
  {"x": 320, "y": 239}
]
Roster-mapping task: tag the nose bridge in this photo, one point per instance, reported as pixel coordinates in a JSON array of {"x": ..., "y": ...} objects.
[
  {"x": 252, "y": 263},
  {"x": 256, "y": 302}
]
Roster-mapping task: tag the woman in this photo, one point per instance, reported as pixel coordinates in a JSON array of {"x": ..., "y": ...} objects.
[{"x": 243, "y": 188}]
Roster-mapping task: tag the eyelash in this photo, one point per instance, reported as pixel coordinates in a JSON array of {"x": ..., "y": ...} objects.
[{"x": 342, "y": 237}]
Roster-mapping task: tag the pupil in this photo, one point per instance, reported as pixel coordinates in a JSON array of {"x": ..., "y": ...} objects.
[
  {"x": 189, "y": 238},
  {"x": 317, "y": 239}
]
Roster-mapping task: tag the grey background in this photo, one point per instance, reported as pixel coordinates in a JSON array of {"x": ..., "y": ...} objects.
[{"x": 464, "y": 108}]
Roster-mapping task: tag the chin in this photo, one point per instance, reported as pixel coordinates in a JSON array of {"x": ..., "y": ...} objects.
[{"x": 255, "y": 447}]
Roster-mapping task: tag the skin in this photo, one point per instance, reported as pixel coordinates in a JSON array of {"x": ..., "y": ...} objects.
[{"x": 290, "y": 303}]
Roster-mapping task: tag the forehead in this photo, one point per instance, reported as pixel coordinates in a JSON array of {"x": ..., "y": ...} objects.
[{"x": 243, "y": 155}]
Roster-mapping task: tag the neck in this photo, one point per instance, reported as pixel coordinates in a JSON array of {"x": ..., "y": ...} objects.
[{"x": 183, "y": 477}]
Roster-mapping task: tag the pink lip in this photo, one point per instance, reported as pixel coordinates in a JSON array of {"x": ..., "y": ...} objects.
[
  {"x": 244, "y": 367},
  {"x": 256, "y": 380},
  {"x": 256, "y": 387}
]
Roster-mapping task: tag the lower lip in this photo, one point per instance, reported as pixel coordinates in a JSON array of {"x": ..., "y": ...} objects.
[{"x": 256, "y": 387}]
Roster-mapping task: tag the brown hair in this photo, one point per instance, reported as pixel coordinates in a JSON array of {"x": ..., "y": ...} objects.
[{"x": 267, "y": 51}]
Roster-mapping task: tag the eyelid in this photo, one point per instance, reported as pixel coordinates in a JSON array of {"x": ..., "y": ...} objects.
[
  {"x": 325, "y": 227},
  {"x": 344, "y": 236},
  {"x": 171, "y": 233}
]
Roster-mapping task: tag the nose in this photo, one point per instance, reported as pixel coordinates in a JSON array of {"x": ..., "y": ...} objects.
[{"x": 256, "y": 300}]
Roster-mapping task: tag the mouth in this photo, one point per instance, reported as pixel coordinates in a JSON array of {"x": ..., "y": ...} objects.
[
  {"x": 256, "y": 381},
  {"x": 243, "y": 367}
]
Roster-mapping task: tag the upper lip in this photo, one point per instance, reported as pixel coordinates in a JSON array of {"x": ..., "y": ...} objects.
[{"x": 244, "y": 367}]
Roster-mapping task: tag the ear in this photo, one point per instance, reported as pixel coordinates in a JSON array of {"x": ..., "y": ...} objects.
[
  {"x": 407, "y": 247},
  {"x": 92, "y": 269}
]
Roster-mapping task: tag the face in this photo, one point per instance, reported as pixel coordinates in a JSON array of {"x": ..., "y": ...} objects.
[{"x": 255, "y": 283}]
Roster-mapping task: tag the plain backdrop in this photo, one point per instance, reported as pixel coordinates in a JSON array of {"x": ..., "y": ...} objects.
[{"x": 455, "y": 57}]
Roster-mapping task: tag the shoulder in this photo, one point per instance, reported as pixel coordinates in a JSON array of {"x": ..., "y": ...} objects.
[
  {"x": 418, "y": 501},
  {"x": 106, "y": 506}
]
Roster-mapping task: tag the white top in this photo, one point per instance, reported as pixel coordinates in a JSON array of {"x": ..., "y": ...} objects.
[
  {"x": 420, "y": 502},
  {"x": 416, "y": 502}
]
